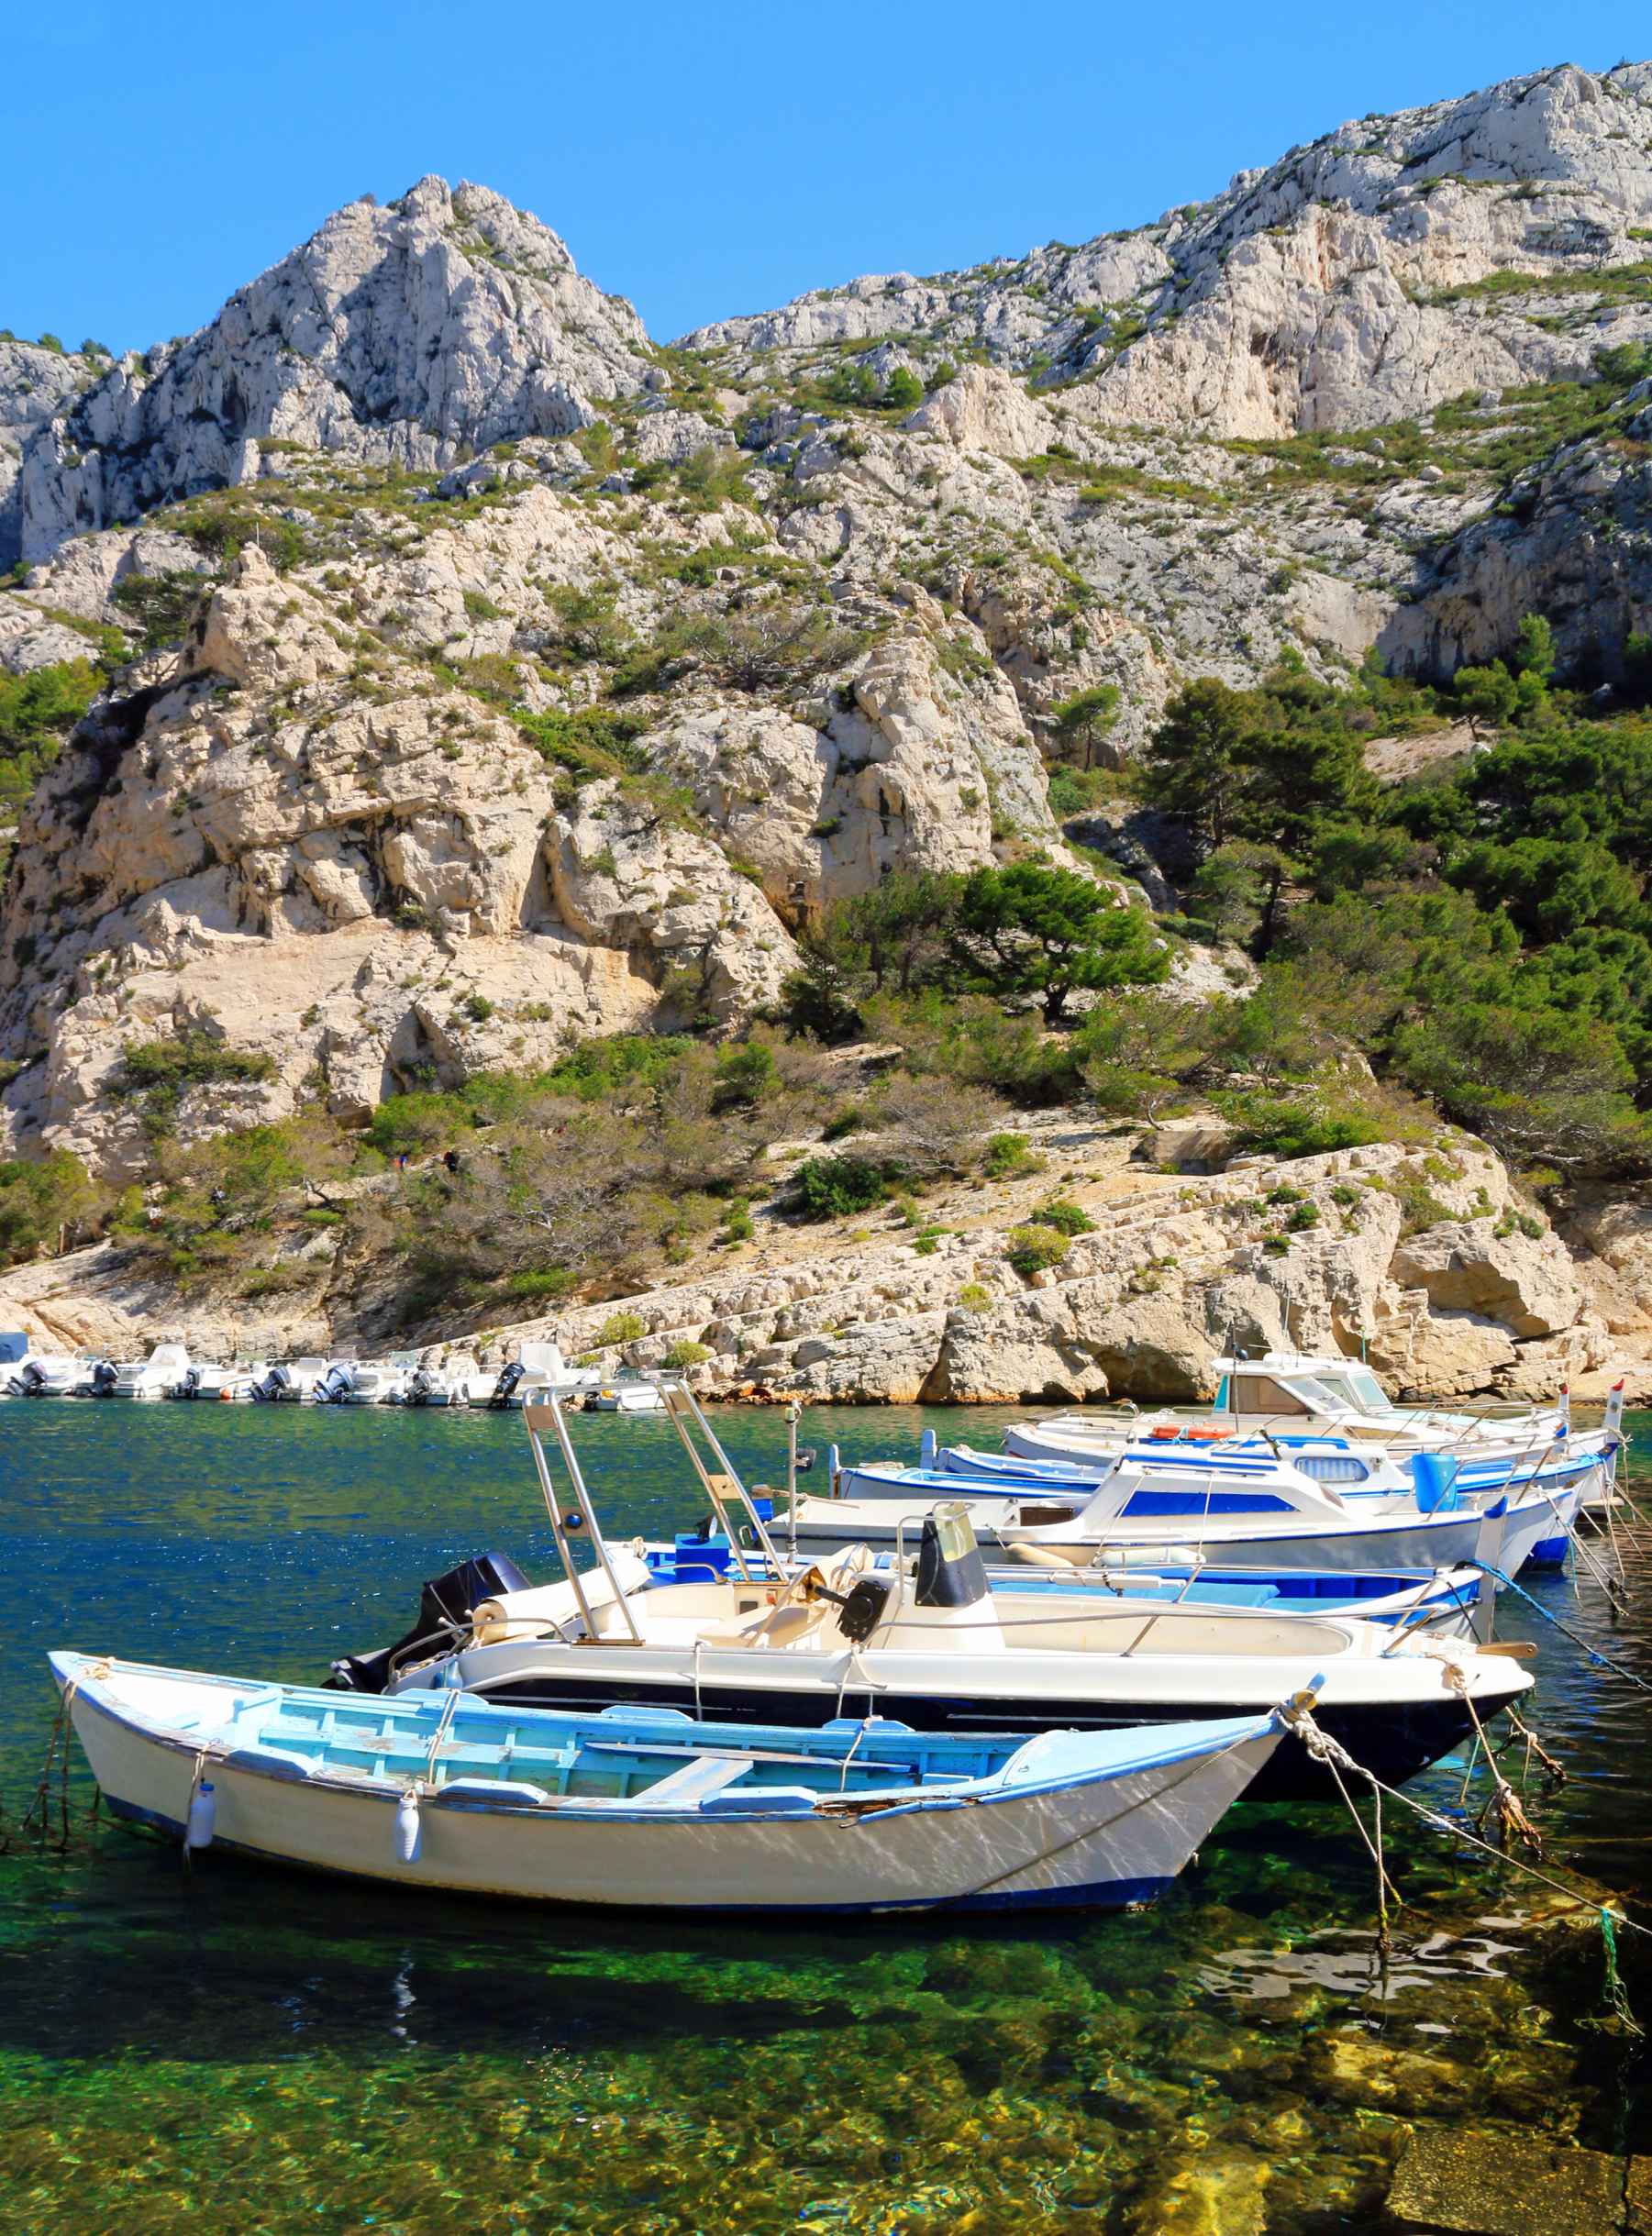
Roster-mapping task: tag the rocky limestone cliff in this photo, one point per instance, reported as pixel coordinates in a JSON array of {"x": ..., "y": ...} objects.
[
  {"x": 1305, "y": 296},
  {"x": 404, "y": 336},
  {"x": 497, "y": 679}
]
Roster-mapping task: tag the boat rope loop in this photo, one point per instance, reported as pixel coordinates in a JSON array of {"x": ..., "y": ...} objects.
[
  {"x": 1603, "y": 1661},
  {"x": 1332, "y": 1755},
  {"x": 1323, "y": 1749},
  {"x": 54, "y": 1780},
  {"x": 1504, "y": 1808}
]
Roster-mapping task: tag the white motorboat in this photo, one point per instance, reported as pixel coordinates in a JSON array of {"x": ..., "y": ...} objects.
[
  {"x": 382, "y": 1382},
  {"x": 648, "y": 1808},
  {"x": 26, "y": 1372},
  {"x": 1294, "y": 1393},
  {"x": 1174, "y": 1506},
  {"x": 938, "y": 1648},
  {"x": 538, "y": 1371},
  {"x": 451, "y": 1382},
  {"x": 155, "y": 1376},
  {"x": 625, "y": 1393},
  {"x": 212, "y": 1381}
]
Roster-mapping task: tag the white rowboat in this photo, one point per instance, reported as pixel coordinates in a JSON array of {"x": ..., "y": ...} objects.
[{"x": 639, "y": 1808}]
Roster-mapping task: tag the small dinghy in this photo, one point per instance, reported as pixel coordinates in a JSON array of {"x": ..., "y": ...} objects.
[{"x": 646, "y": 1807}]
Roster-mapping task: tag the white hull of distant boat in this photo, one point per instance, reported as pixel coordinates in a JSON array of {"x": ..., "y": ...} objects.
[
  {"x": 155, "y": 1376},
  {"x": 625, "y": 1398},
  {"x": 538, "y": 1372},
  {"x": 212, "y": 1384},
  {"x": 1318, "y": 1536},
  {"x": 28, "y": 1373},
  {"x": 381, "y": 1382},
  {"x": 1287, "y": 1394},
  {"x": 459, "y": 1795}
]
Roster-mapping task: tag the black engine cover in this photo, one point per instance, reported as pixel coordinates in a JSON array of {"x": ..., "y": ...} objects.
[{"x": 444, "y": 1600}]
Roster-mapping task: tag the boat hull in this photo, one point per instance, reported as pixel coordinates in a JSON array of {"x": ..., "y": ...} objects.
[{"x": 1109, "y": 1842}]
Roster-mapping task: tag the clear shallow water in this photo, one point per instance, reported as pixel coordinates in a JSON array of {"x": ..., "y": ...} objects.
[{"x": 254, "y": 2052}]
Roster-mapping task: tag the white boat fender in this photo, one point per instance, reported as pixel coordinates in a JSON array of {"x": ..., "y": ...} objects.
[
  {"x": 409, "y": 1831},
  {"x": 202, "y": 1815}
]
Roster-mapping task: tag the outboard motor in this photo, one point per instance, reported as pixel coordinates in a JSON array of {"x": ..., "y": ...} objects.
[
  {"x": 275, "y": 1385},
  {"x": 31, "y": 1382},
  {"x": 444, "y": 1602},
  {"x": 950, "y": 1570},
  {"x": 419, "y": 1391},
  {"x": 333, "y": 1388},
  {"x": 190, "y": 1387},
  {"x": 104, "y": 1377},
  {"x": 504, "y": 1387}
]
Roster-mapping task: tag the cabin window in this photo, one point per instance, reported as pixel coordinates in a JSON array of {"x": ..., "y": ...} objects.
[
  {"x": 1260, "y": 1393},
  {"x": 1338, "y": 1470}
]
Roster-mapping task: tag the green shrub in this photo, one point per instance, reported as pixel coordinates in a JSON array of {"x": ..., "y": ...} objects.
[
  {"x": 541, "y": 1281},
  {"x": 833, "y": 1187},
  {"x": 1286, "y": 1127},
  {"x": 404, "y": 1124},
  {"x": 685, "y": 1354},
  {"x": 161, "y": 605},
  {"x": 744, "y": 1076},
  {"x": 1067, "y": 1217},
  {"x": 737, "y": 1222},
  {"x": 156, "y": 1073},
  {"x": 1275, "y": 1244},
  {"x": 1008, "y": 1158},
  {"x": 622, "y": 1327},
  {"x": 974, "y": 1297},
  {"x": 1305, "y": 1216},
  {"x": 1031, "y": 1249},
  {"x": 45, "y": 1201}
]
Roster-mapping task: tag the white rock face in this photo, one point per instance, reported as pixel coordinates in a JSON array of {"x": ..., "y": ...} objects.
[
  {"x": 34, "y": 385},
  {"x": 366, "y": 889},
  {"x": 1300, "y": 298},
  {"x": 394, "y": 336},
  {"x": 1174, "y": 1273}
]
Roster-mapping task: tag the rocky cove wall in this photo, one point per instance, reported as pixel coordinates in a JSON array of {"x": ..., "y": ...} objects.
[{"x": 1485, "y": 1299}]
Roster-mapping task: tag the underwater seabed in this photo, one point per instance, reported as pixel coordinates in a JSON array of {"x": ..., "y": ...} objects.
[{"x": 245, "y": 2049}]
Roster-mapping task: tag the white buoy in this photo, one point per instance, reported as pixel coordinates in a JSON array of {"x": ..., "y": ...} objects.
[
  {"x": 408, "y": 1830},
  {"x": 202, "y": 1811}
]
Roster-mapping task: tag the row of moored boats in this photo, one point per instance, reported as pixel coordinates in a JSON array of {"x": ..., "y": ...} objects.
[
  {"x": 438, "y": 1379},
  {"x": 1031, "y": 1678}
]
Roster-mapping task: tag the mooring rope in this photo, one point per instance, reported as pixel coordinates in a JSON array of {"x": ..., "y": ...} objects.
[
  {"x": 1330, "y": 1752},
  {"x": 1603, "y": 1660}
]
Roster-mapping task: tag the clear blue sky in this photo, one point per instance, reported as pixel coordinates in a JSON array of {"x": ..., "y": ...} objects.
[{"x": 703, "y": 158}]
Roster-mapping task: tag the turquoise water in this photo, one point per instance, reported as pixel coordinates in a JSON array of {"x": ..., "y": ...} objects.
[{"x": 251, "y": 2052}]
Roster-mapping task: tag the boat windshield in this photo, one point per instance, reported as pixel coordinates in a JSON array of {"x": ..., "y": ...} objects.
[{"x": 1359, "y": 1387}]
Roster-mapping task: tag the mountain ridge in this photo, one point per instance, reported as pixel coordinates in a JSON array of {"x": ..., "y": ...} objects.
[{"x": 418, "y": 673}]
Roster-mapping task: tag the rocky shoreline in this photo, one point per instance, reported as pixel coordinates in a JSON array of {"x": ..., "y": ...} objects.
[{"x": 1423, "y": 1258}]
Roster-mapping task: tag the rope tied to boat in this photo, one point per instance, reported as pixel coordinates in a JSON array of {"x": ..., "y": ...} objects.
[
  {"x": 1602, "y": 1660},
  {"x": 1319, "y": 1744},
  {"x": 1331, "y": 1755},
  {"x": 1504, "y": 1808},
  {"x": 36, "y": 1817},
  {"x": 1617, "y": 1995}
]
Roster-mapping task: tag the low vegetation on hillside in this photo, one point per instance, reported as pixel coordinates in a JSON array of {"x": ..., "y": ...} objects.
[{"x": 1473, "y": 942}]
